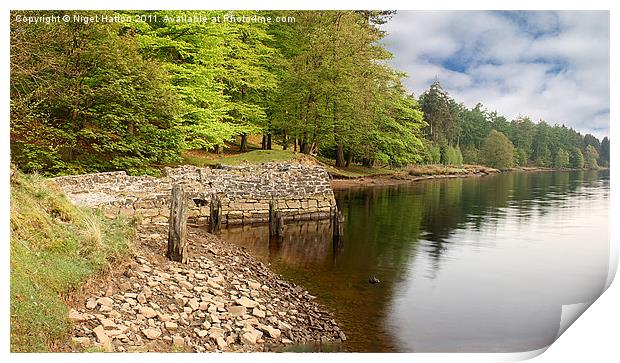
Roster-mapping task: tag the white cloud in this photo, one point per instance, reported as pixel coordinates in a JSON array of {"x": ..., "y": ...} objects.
[{"x": 546, "y": 65}]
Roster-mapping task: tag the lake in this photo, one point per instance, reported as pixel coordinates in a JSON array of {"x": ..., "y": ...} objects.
[{"x": 480, "y": 264}]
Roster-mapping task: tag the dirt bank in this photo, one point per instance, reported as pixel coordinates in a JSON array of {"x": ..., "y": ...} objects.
[{"x": 222, "y": 300}]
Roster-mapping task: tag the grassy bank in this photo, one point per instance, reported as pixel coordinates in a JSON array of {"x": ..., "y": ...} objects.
[
  {"x": 55, "y": 247},
  {"x": 202, "y": 158}
]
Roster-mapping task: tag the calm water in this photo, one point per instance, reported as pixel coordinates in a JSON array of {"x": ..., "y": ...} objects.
[{"x": 466, "y": 265}]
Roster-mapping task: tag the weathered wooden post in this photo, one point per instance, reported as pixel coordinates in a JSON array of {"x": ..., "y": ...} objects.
[
  {"x": 337, "y": 226},
  {"x": 215, "y": 220},
  {"x": 276, "y": 220},
  {"x": 177, "y": 226}
]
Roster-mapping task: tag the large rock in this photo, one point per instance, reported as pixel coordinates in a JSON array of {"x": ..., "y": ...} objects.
[
  {"x": 91, "y": 303},
  {"x": 215, "y": 332},
  {"x": 171, "y": 326},
  {"x": 148, "y": 312},
  {"x": 105, "y": 301},
  {"x": 193, "y": 303},
  {"x": 221, "y": 343},
  {"x": 273, "y": 332},
  {"x": 258, "y": 313},
  {"x": 103, "y": 338},
  {"x": 251, "y": 337},
  {"x": 107, "y": 324},
  {"x": 178, "y": 341},
  {"x": 151, "y": 333},
  {"x": 244, "y": 301},
  {"x": 76, "y": 316}
]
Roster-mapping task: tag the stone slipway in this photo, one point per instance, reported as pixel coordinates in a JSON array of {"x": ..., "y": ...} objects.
[{"x": 299, "y": 192}]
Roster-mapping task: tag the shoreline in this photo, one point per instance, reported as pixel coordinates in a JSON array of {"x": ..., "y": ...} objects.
[
  {"x": 414, "y": 174},
  {"x": 436, "y": 172},
  {"x": 222, "y": 300}
]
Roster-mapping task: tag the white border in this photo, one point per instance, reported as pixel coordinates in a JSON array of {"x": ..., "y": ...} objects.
[{"x": 593, "y": 336}]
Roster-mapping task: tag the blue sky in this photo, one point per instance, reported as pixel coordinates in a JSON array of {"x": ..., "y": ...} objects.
[{"x": 550, "y": 65}]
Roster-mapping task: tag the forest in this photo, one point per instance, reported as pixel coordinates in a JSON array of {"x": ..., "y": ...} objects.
[{"x": 135, "y": 95}]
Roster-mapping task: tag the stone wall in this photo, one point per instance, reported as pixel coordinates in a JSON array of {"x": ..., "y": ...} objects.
[{"x": 300, "y": 192}]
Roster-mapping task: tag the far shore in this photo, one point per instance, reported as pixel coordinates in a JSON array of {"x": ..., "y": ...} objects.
[{"x": 427, "y": 172}]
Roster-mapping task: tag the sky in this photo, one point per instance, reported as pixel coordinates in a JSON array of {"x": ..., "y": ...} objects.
[{"x": 550, "y": 65}]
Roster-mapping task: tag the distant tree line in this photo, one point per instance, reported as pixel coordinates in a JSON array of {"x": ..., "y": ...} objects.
[
  {"x": 484, "y": 137},
  {"x": 134, "y": 95}
]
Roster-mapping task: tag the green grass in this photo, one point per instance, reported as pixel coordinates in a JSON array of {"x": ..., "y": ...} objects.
[
  {"x": 55, "y": 247},
  {"x": 354, "y": 171},
  {"x": 251, "y": 157}
]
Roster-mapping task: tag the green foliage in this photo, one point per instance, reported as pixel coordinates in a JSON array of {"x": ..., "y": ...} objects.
[
  {"x": 54, "y": 248},
  {"x": 520, "y": 156},
  {"x": 576, "y": 158},
  {"x": 84, "y": 99},
  {"x": 522, "y": 132},
  {"x": 220, "y": 70},
  {"x": 497, "y": 151},
  {"x": 561, "y": 159},
  {"x": 432, "y": 153},
  {"x": 471, "y": 155},
  {"x": 337, "y": 94},
  {"x": 604, "y": 154},
  {"x": 590, "y": 157},
  {"x": 441, "y": 115},
  {"x": 451, "y": 155},
  {"x": 474, "y": 125}
]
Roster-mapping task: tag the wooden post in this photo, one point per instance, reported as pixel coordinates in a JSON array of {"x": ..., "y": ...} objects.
[
  {"x": 276, "y": 220},
  {"x": 215, "y": 220},
  {"x": 337, "y": 226},
  {"x": 177, "y": 226}
]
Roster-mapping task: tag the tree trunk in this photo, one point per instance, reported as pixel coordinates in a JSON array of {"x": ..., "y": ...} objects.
[
  {"x": 284, "y": 141},
  {"x": 349, "y": 158},
  {"x": 263, "y": 144},
  {"x": 295, "y": 144},
  {"x": 269, "y": 141},
  {"x": 305, "y": 146},
  {"x": 339, "y": 155},
  {"x": 244, "y": 143},
  {"x": 177, "y": 226}
]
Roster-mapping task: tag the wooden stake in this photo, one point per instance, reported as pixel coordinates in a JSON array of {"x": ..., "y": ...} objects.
[
  {"x": 177, "y": 226},
  {"x": 215, "y": 220}
]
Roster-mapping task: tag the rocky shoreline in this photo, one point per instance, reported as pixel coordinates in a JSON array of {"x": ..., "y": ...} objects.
[{"x": 223, "y": 299}]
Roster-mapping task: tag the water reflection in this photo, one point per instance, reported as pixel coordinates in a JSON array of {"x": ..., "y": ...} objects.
[
  {"x": 303, "y": 244},
  {"x": 478, "y": 264}
]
